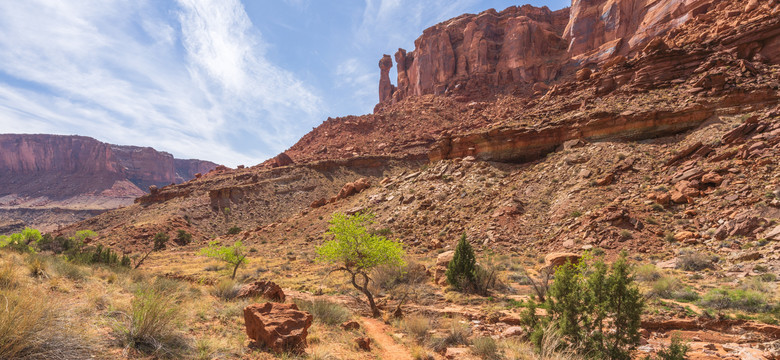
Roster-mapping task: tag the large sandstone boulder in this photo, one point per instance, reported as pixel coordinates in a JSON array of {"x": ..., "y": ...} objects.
[
  {"x": 266, "y": 289},
  {"x": 278, "y": 327},
  {"x": 554, "y": 260},
  {"x": 440, "y": 272}
]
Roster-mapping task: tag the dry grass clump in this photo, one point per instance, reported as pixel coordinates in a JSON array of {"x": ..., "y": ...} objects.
[
  {"x": 552, "y": 348},
  {"x": 8, "y": 278},
  {"x": 692, "y": 260},
  {"x": 32, "y": 327},
  {"x": 646, "y": 273},
  {"x": 325, "y": 311},
  {"x": 458, "y": 333},
  {"x": 485, "y": 347},
  {"x": 152, "y": 324},
  {"x": 225, "y": 289},
  {"x": 69, "y": 270},
  {"x": 416, "y": 326},
  {"x": 420, "y": 353}
]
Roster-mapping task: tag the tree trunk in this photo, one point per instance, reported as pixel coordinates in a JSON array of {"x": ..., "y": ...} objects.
[
  {"x": 234, "y": 271},
  {"x": 364, "y": 289}
]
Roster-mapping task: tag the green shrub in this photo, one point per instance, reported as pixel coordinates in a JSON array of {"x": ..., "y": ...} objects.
[
  {"x": 739, "y": 299},
  {"x": 235, "y": 255},
  {"x": 21, "y": 242},
  {"x": 594, "y": 309},
  {"x": 234, "y": 230},
  {"x": 647, "y": 272},
  {"x": 183, "y": 237},
  {"x": 325, "y": 311},
  {"x": 160, "y": 240},
  {"x": 461, "y": 269},
  {"x": 485, "y": 347},
  {"x": 677, "y": 350}
]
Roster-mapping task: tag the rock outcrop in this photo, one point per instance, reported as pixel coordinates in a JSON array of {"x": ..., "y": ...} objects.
[
  {"x": 266, "y": 289},
  {"x": 477, "y": 53},
  {"x": 278, "y": 327},
  {"x": 512, "y": 50}
]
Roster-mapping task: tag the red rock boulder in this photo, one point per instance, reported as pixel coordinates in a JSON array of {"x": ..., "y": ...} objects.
[
  {"x": 554, "y": 260},
  {"x": 278, "y": 327},
  {"x": 266, "y": 289}
]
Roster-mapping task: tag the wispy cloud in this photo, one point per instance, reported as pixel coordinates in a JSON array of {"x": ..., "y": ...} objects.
[{"x": 191, "y": 78}]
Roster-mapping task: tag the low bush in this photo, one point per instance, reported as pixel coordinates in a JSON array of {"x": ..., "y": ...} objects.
[
  {"x": 388, "y": 277},
  {"x": 183, "y": 237},
  {"x": 738, "y": 299},
  {"x": 691, "y": 260},
  {"x": 69, "y": 270},
  {"x": 234, "y": 230},
  {"x": 325, "y": 311},
  {"x": 647, "y": 273},
  {"x": 669, "y": 287}
]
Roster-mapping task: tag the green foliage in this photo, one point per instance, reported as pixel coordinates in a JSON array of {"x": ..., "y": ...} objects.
[
  {"x": 234, "y": 255},
  {"x": 739, "y": 299},
  {"x": 21, "y": 242},
  {"x": 594, "y": 308},
  {"x": 160, "y": 240},
  {"x": 462, "y": 268},
  {"x": 357, "y": 250},
  {"x": 234, "y": 230},
  {"x": 183, "y": 237},
  {"x": 84, "y": 234},
  {"x": 356, "y": 247}
]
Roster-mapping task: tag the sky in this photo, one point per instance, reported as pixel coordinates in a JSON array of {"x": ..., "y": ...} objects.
[{"x": 234, "y": 82}]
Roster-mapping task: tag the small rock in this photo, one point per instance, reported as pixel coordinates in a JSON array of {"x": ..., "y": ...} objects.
[
  {"x": 363, "y": 343},
  {"x": 266, "y": 289},
  {"x": 456, "y": 353},
  {"x": 513, "y": 331},
  {"x": 350, "y": 325}
]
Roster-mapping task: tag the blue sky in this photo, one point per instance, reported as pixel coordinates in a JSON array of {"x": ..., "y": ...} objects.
[{"x": 223, "y": 80}]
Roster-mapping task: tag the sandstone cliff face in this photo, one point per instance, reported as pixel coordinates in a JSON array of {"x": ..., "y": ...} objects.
[
  {"x": 492, "y": 50},
  {"x": 59, "y": 167},
  {"x": 522, "y": 49}
]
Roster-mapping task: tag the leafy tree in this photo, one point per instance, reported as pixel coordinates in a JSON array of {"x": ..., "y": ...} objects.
[
  {"x": 234, "y": 255},
  {"x": 356, "y": 250},
  {"x": 596, "y": 309},
  {"x": 462, "y": 268}
]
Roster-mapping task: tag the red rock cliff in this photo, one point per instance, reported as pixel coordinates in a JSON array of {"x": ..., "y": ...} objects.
[
  {"x": 63, "y": 166},
  {"x": 513, "y": 50}
]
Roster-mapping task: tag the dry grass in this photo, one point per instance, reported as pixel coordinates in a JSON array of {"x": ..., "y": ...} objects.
[
  {"x": 325, "y": 311},
  {"x": 416, "y": 326},
  {"x": 552, "y": 348},
  {"x": 225, "y": 289},
  {"x": 32, "y": 326}
]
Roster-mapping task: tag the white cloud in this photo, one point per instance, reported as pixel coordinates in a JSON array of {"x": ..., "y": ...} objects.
[{"x": 192, "y": 80}]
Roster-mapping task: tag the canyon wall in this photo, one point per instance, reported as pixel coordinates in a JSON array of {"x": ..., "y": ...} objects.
[
  {"x": 521, "y": 50},
  {"x": 59, "y": 167}
]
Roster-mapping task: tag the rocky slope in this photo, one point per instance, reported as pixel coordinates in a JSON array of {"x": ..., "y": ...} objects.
[{"x": 79, "y": 174}]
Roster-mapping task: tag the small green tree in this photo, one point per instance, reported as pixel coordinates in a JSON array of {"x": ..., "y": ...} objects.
[
  {"x": 160, "y": 239},
  {"x": 462, "y": 268},
  {"x": 596, "y": 309},
  {"x": 21, "y": 241},
  {"x": 183, "y": 237},
  {"x": 356, "y": 250},
  {"x": 234, "y": 255}
]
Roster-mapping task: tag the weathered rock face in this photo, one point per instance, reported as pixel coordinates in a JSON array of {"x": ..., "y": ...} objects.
[
  {"x": 509, "y": 51},
  {"x": 267, "y": 289},
  {"x": 279, "y": 327},
  {"x": 491, "y": 50},
  {"x": 386, "y": 89},
  {"x": 64, "y": 166}
]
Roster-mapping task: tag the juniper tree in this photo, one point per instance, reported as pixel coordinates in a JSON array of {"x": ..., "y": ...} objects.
[{"x": 462, "y": 268}]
